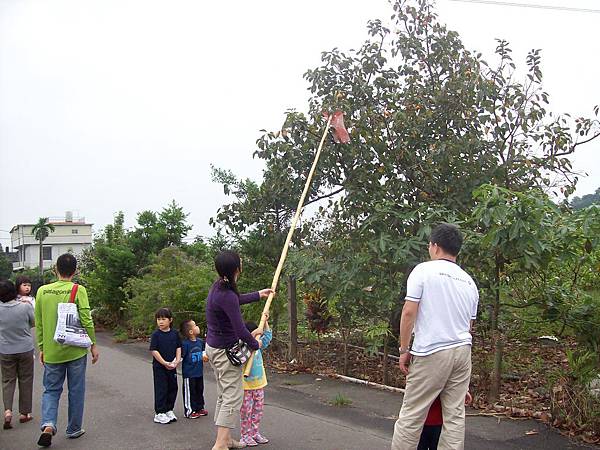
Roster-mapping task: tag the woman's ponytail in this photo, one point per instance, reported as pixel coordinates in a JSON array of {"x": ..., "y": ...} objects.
[{"x": 227, "y": 263}]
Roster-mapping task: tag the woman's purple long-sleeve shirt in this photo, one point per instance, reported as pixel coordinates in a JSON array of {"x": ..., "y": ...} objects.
[{"x": 224, "y": 317}]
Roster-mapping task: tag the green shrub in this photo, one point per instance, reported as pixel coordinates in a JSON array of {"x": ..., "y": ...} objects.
[
  {"x": 341, "y": 401},
  {"x": 173, "y": 280},
  {"x": 120, "y": 335},
  {"x": 573, "y": 403}
]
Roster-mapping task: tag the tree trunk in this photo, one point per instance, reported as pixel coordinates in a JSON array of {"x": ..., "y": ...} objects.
[
  {"x": 345, "y": 334},
  {"x": 41, "y": 261},
  {"x": 275, "y": 322},
  {"x": 497, "y": 372},
  {"x": 496, "y": 375},
  {"x": 386, "y": 375},
  {"x": 318, "y": 345},
  {"x": 292, "y": 318}
]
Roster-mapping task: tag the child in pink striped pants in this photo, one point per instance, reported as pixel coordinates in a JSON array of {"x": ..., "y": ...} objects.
[{"x": 254, "y": 393}]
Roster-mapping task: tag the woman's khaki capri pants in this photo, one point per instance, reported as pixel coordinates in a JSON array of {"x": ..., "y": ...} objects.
[{"x": 230, "y": 391}]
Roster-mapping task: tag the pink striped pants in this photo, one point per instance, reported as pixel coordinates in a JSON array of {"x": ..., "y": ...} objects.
[{"x": 252, "y": 412}]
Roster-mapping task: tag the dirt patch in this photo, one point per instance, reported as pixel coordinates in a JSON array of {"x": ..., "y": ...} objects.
[{"x": 533, "y": 376}]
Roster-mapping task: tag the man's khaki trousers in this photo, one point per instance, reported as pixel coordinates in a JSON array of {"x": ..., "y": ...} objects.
[{"x": 445, "y": 373}]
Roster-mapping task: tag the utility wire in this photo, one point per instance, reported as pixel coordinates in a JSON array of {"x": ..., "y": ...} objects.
[{"x": 525, "y": 5}]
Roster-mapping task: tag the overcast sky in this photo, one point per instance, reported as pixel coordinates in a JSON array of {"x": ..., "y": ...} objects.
[{"x": 124, "y": 104}]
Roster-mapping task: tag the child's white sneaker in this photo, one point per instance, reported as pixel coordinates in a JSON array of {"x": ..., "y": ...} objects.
[
  {"x": 260, "y": 439},
  {"x": 161, "y": 418},
  {"x": 248, "y": 441},
  {"x": 171, "y": 415}
]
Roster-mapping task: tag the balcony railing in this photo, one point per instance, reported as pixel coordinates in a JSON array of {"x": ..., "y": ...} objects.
[{"x": 62, "y": 219}]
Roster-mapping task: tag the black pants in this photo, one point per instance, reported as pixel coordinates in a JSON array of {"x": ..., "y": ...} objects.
[
  {"x": 193, "y": 395},
  {"x": 430, "y": 437},
  {"x": 165, "y": 389}
]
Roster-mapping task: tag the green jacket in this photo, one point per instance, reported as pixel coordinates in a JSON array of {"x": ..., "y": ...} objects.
[{"x": 46, "y": 306}]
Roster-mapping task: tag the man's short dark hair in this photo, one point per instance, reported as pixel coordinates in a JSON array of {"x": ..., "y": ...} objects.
[
  {"x": 66, "y": 265},
  {"x": 163, "y": 313},
  {"x": 8, "y": 291},
  {"x": 448, "y": 237}
]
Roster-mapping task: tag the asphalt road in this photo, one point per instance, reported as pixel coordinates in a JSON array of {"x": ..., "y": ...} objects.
[{"x": 298, "y": 414}]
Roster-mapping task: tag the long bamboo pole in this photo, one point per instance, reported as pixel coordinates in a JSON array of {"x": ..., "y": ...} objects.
[{"x": 289, "y": 239}]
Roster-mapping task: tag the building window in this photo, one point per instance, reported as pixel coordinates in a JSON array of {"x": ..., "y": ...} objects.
[
  {"x": 47, "y": 253},
  {"x": 74, "y": 231}
]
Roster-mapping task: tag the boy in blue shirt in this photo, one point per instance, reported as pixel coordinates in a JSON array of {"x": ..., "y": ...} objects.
[{"x": 192, "y": 352}]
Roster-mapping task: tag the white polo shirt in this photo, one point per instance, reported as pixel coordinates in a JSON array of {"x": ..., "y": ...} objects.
[{"x": 448, "y": 299}]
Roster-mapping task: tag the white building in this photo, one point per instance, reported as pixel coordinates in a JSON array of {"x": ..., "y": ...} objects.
[{"x": 70, "y": 234}]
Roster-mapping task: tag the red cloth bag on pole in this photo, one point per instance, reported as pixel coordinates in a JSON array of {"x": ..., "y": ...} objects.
[{"x": 340, "y": 134}]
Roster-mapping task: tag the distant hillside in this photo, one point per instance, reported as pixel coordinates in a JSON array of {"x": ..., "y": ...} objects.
[{"x": 586, "y": 200}]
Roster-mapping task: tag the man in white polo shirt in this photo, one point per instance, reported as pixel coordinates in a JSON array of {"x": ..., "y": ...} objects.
[{"x": 441, "y": 303}]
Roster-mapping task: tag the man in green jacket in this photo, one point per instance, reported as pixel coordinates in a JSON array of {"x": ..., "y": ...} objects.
[{"x": 62, "y": 360}]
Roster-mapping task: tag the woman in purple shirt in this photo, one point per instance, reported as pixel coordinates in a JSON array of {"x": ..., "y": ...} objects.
[{"x": 225, "y": 327}]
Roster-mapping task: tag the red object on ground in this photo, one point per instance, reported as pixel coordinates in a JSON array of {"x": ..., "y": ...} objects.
[
  {"x": 434, "y": 417},
  {"x": 340, "y": 134}
]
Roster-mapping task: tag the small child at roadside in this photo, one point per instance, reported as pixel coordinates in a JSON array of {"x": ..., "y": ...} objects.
[
  {"x": 165, "y": 346},
  {"x": 254, "y": 394},
  {"x": 23, "y": 285},
  {"x": 432, "y": 430},
  {"x": 192, "y": 370}
]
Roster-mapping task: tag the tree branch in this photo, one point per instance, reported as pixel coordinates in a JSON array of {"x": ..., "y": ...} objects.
[
  {"x": 527, "y": 305},
  {"x": 580, "y": 143},
  {"x": 331, "y": 194}
]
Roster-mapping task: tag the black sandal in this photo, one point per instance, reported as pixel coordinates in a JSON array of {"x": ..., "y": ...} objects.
[{"x": 45, "y": 439}]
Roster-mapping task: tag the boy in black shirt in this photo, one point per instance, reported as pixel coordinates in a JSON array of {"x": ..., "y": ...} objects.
[{"x": 165, "y": 346}]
